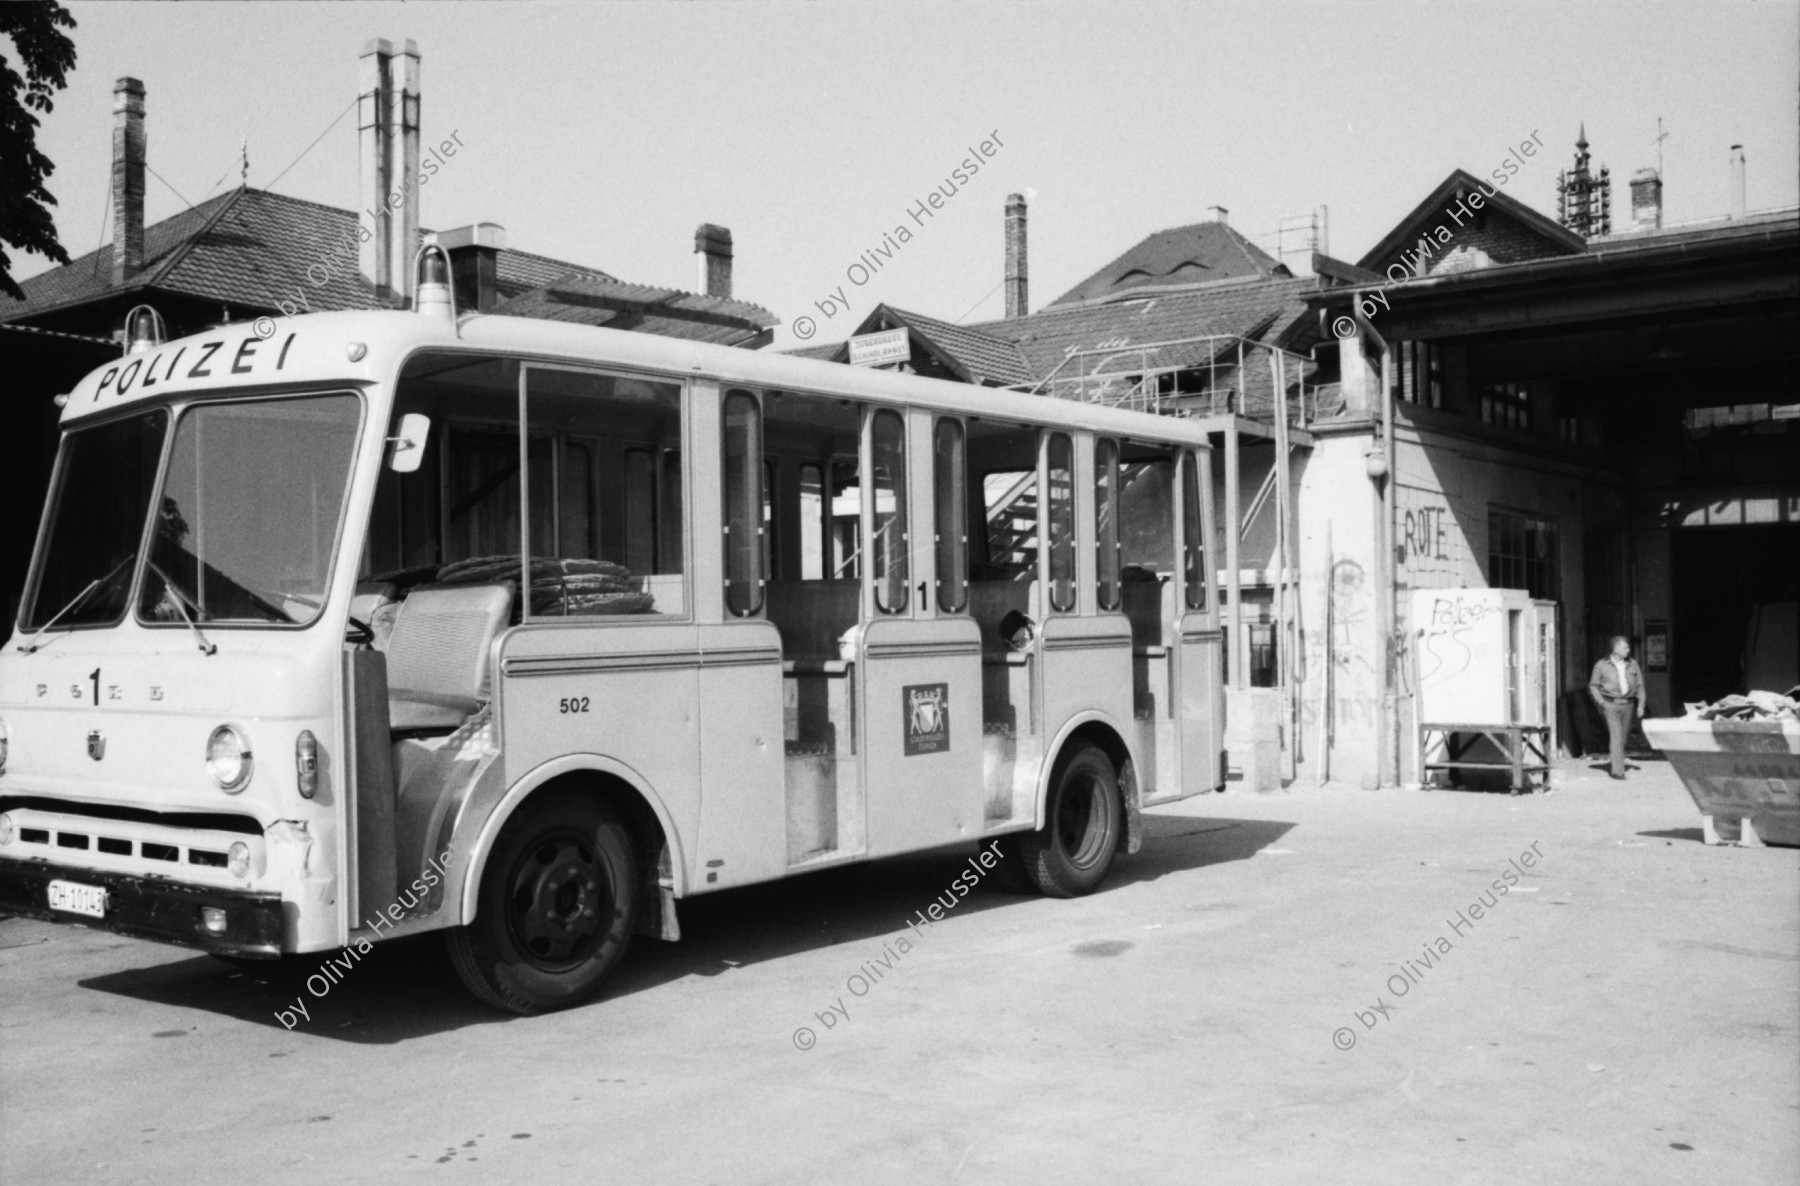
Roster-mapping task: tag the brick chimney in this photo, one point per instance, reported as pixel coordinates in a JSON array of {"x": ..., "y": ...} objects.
[
  {"x": 1738, "y": 197},
  {"x": 713, "y": 245},
  {"x": 1018, "y": 277},
  {"x": 128, "y": 180},
  {"x": 387, "y": 119},
  {"x": 474, "y": 262},
  {"x": 1646, "y": 200}
]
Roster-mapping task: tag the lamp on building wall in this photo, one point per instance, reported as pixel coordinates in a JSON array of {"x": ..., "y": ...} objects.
[{"x": 1375, "y": 462}]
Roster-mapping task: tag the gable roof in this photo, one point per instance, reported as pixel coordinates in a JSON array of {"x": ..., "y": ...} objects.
[
  {"x": 594, "y": 298},
  {"x": 1428, "y": 214},
  {"x": 1271, "y": 312},
  {"x": 256, "y": 249},
  {"x": 1177, "y": 258},
  {"x": 1027, "y": 350},
  {"x": 246, "y": 247}
]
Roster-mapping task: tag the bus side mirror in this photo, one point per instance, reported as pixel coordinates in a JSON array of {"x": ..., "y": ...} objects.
[{"x": 409, "y": 445}]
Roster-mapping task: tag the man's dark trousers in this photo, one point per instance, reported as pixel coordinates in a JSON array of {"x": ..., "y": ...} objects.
[{"x": 1618, "y": 727}]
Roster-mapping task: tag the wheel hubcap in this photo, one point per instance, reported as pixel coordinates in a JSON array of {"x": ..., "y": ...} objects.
[
  {"x": 561, "y": 902},
  {"x": 1081, "y": 821}
]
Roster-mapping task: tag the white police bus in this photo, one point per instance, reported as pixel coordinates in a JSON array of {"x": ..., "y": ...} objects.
[{"x": 357, "y": 625}]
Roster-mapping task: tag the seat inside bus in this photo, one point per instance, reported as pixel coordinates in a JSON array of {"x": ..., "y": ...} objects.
[{"x": 437, "y": 656}]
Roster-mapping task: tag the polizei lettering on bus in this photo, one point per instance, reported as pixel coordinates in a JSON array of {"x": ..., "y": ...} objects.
[{"x": 204, "y": 360}]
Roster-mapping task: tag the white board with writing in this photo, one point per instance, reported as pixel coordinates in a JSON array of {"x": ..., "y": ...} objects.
[{"x": 1460, "y": 645}]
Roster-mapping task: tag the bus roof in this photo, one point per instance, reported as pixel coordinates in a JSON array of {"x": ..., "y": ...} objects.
[{"x": 318, "y": 349}]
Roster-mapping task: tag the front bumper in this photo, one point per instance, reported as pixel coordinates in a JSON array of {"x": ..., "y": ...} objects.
[{"x": 150, "y": 908}]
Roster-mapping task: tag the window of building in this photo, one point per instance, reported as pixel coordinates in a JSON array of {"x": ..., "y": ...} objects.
[
  {"x": 1507, "y": 405},
  {"x": 1568, "y": 429},
  {"x": 1262, "y": 654},
  {"x": 1418, "y": 374},
  {"x": 1522, "y": 553}
]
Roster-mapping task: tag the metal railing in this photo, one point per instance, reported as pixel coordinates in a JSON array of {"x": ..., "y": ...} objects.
[{"x": 1214, "y": 375}]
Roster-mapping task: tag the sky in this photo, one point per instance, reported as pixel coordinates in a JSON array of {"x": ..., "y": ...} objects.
[{"x": 603, "y": 134}]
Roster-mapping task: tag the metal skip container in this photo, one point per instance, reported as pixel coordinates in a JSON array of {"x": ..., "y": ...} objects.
[{"x": 1744, "y": 775}]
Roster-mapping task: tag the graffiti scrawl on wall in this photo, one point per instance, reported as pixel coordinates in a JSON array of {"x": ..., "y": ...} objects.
[{"x": 1429, "y": 540}]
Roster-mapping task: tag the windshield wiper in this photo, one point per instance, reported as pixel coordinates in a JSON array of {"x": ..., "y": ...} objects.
[
  {"x": 33, "y": 646},
  {"x": 169, "y": 587}
]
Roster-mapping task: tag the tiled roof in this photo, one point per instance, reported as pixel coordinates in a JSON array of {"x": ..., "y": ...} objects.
[
  {"x": 1180, "y": 257},
  {"x": 983, "y": 357},
  {"x": 1262, "y": 311},
  {"x": 1028, "y": 350},
  {"x": 592, "y": 298},
  {"x": 829, "y": 352},
  {"x": 254, "y": 248},
  {"x": 247, "y": 247}
]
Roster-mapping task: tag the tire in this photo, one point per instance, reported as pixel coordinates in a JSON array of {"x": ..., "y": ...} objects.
[
  {"x": 1083, "y": 823},
  {"x": 554, "y": 913}
]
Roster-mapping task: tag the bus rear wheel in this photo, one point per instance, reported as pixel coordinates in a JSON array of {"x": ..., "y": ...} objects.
[
  {"x": 1084, "y": 819},
  {"x": 554, "y": 912}
]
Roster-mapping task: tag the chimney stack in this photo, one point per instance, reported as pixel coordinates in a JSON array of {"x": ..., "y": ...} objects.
[
  {"x": 713, "y": 245},
  {"x": 474, "y": 264},
  {"x": 1646, "y": 200},
  {"x": 1018, "y": 278},
  {"x": 1738, "y": 206},
  {"x": 1220, "y": 214},
  {"x": 128, "y": 180},
  {"x": 387, "y": 120}
]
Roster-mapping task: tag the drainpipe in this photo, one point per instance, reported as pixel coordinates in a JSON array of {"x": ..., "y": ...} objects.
[{"x": 1381, "y": 470}]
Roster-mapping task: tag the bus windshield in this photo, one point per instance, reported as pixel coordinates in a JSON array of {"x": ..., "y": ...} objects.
[
  {"x": 247, "y": 520},
  {"x": 93, "y": 534}
]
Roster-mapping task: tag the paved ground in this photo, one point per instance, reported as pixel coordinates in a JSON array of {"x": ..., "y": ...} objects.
[{"x": 1627, "y": 1013}]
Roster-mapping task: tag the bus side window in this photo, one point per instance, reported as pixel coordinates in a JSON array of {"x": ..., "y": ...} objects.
[
  {"x": 887, "y": 523},
  {"x": 1193, "y": 532},
  {"x": 1106, "y": 522},
  {"x": 743, "y": 451},
  {"x": 950, "y": 506},
  {"x": 1059, "y": 468},
  {"x": 592, "y": 495}
]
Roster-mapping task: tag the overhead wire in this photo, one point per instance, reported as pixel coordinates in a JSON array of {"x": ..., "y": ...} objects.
[{"x": 334, "y": 123}]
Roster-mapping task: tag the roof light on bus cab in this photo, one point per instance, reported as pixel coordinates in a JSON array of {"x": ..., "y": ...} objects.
[
  {"x": 228, "y": 758},
  {"x": 432, "y": 293},
  {"x": 144, "y": 330}
]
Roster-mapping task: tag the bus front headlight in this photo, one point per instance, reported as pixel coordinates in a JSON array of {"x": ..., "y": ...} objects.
[{"x": 228, "y": 758}]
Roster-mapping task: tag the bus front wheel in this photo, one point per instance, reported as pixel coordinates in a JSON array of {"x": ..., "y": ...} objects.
[
  {"x": 1084, "y": 819},
  {"x": 554, "y": 912}
]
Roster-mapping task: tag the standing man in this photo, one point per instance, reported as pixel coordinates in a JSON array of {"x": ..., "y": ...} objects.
[{"x": 1616, "y": 686}]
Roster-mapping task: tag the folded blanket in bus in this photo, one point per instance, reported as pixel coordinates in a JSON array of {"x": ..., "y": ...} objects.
[{"x": 560, "y": 588}]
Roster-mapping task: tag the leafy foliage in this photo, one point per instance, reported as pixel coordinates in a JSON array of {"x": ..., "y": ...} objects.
[{"x": 47, "y": 55}]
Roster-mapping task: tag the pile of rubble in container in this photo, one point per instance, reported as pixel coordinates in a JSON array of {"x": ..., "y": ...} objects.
[{"x": 1757, "y": 706}]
